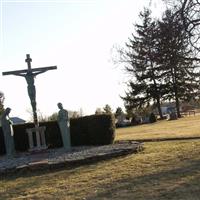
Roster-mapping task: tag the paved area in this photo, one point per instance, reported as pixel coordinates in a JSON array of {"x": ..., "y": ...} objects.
[{"x": 52, "y": 158}]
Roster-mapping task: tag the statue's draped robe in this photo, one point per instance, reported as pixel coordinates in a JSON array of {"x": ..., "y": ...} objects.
[
  {"x": 63, "y": 123},
  {"x": 8, "y": 134}
]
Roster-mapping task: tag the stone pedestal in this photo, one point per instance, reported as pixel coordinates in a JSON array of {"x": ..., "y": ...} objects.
[{"x": 40, "y": 138}]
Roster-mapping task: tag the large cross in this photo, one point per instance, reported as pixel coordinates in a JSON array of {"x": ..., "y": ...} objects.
[{"x": 29, "y": 74}]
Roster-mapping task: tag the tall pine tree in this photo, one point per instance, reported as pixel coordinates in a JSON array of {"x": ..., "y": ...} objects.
[
  {"x": 146, "y": 86},
  {"x": 173, "y": 47}
]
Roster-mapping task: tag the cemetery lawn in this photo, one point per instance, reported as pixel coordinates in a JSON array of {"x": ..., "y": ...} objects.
[
  {"x": 164, "y": 170},
  {"x": 186, "y": 127}
]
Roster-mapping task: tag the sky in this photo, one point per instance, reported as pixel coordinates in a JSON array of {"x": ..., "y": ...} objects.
[{"x": 78, "y": 37}]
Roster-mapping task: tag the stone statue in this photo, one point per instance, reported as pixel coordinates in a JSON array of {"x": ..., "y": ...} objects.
[
  {"x": 29, "y": 75},
  {"x": 63, "y": 123},
  {"x": 6, "y": 124}
]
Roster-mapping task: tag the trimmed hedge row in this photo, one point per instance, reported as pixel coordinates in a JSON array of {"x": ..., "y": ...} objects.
[
  {"x": 89, "y": 130},
  {"x": 93, "y": 130},
  {"x": 52, "y": 135}
]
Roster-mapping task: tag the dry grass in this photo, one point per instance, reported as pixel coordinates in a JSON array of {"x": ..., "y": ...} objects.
[
  {"x": 184, "y": 127},
  {"x": 164, "y": 170}
]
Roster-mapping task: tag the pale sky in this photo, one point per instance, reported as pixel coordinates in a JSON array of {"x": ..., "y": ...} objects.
[{"x": 75, "y": 35}]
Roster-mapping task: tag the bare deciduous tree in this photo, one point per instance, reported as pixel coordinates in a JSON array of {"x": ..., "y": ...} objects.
[
  {"x": 188, "y": 11},
  {"x": 1, "y": 101}
]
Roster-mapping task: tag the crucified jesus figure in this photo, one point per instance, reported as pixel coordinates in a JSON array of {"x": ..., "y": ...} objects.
[{"x": 29, "y": 74}]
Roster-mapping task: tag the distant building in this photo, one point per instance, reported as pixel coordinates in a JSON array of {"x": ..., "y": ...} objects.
[
  {"x": 17, "y": 120},
  {"x": 168, "y": 108},
  {"x": 121, "y": 121}
]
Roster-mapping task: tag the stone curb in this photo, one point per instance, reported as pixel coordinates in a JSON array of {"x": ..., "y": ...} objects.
[{"x": 61, "y": 159}]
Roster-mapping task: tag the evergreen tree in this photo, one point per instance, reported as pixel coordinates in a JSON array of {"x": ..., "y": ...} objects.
[
  {"x": 180, "y": 76},
  {"x": 53, "y": 117},
  {"x": 162, "y": 60},
  {"x": 118, "y": 111},
  {"x": 146, "y": 87},
  {"x": 98, "y": 111},
  {"x": 107, "y": 109}
]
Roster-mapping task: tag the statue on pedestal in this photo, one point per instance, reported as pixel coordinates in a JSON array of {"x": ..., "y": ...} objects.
[
  {"x": 63, "y": 123},
  {"x": 8, "y": 133}
]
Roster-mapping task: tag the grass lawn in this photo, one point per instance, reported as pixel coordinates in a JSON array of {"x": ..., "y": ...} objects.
[
  {"x": 164, "y": 170},
  {"x": 181, "y": 128}
]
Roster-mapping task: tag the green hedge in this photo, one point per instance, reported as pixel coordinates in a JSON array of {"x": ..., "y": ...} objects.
[
  {"x": 89, "y": 130},
  {"x": 52, "y": 135},
  {"x": 93, "y": 130},
  {"x": 2, "y": 146},
  {"x": 152, "y": 118}
]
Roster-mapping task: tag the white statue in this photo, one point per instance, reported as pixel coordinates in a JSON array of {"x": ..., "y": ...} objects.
[
  {"x": 63, "y": 123},
  {"x": 8, "y": 133}
]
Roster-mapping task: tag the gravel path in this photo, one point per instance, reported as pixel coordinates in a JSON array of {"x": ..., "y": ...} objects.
[{"x": 59, "y": 157}]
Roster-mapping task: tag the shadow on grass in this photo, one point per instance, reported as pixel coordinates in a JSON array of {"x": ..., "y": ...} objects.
[
  {"x": 180, "y": 183},
  {"x": 27, "y": 179},
  {"x": 160, "y": 139}
]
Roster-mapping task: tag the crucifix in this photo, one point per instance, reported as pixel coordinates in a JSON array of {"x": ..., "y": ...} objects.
[{"x": 29, "y": 74}]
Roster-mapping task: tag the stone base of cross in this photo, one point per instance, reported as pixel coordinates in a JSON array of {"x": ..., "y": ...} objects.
[{"x": 40, "y": 142}]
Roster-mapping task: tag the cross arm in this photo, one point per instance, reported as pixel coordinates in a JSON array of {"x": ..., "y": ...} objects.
[
  {"x": 17, "y": 72},
  {"x": 43, "y": 69},
  {"x": 23, "y": 72}
]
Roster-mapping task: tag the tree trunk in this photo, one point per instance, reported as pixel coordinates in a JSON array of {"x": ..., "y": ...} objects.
[
  {"x": 176, "y": 92},
  {"x": 177, "y": 106},
  {"x": 159, "y": 107},
  {"x": 177, "y": 100},
  {"x": 156, "y": 92}
]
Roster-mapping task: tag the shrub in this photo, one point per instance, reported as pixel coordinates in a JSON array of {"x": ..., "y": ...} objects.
[
  {"x": 2, "y": 145},
  {"x": 52, "y": 135},
  {"x": 135, "y": 120},
  {"x": 89, "y": 130},
  {"x": 152, "y": 118},
  {"x": 93, "y": 130}
]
